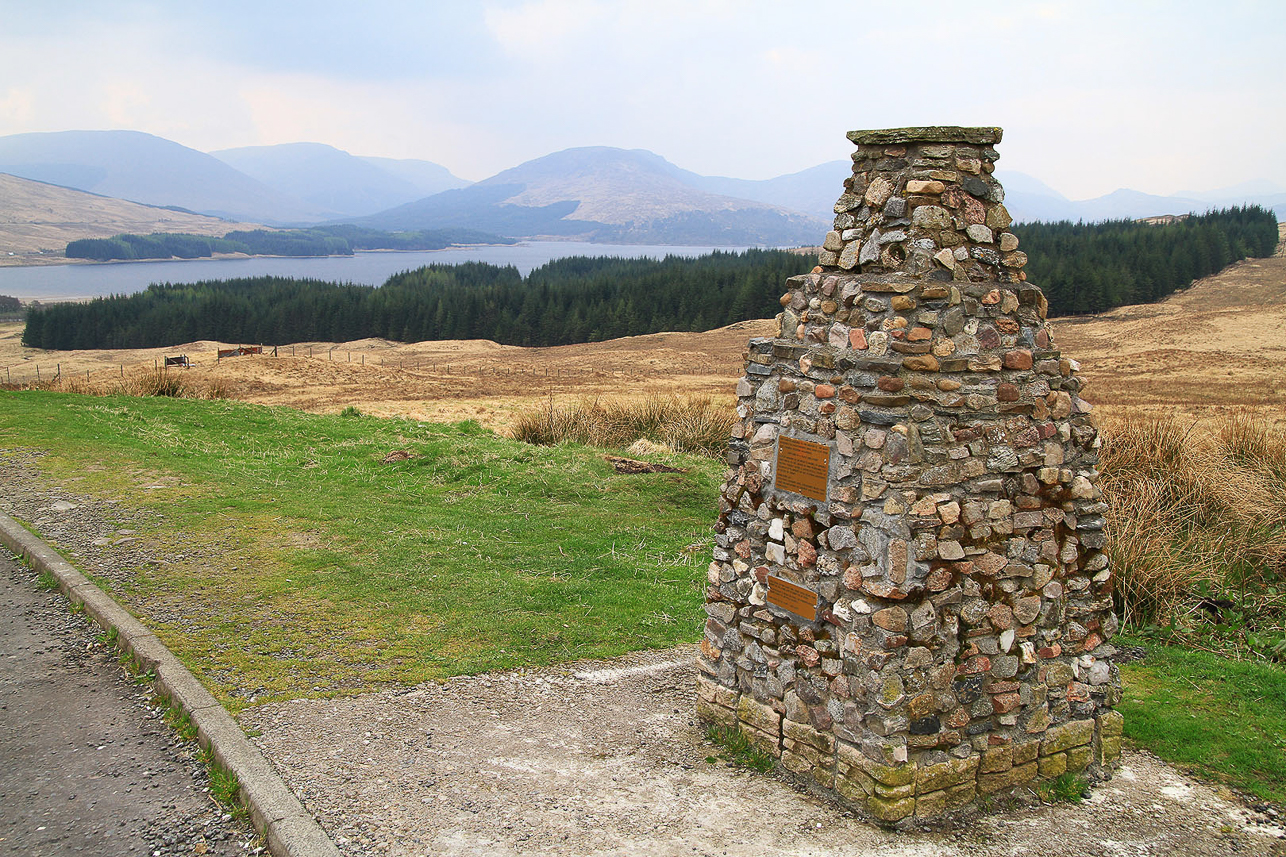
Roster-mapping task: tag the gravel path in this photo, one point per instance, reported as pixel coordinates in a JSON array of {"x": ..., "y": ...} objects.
[
  {"x": 87, "y": 765},
  {"x": 606, "y": 759}
]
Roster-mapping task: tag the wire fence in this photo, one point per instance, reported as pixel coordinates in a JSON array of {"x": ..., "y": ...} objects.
[{"x": 40, "y": 373}]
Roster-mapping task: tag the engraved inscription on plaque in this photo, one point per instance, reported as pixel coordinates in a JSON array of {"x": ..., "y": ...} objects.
[
  {"x": 803, "y": 467},
  {"x": 793, "y": 597}
]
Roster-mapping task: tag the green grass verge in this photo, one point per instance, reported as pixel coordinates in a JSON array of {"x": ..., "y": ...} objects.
[
  {"x": 297, "y": 563},
  {"x": 1223, "y": 719}
]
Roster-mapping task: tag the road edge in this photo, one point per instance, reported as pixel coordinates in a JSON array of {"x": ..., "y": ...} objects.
[{"x": 288, "y": 828}]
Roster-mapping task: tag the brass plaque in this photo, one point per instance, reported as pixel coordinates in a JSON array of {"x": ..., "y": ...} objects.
[
  {"x": 793, "y": 597},
  {"x": 803, "y": 467}
]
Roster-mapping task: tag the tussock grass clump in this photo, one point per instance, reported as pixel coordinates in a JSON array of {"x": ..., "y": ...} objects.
[
  {"x": 1065, "y": 788},
  {"x": 1252, "y": 442},
  {"x": 159, "y": 382},
  {"x": 693, "y": 425},
  {"x": 1198, "y": 524},
  {"x": 737, "y": 750}
]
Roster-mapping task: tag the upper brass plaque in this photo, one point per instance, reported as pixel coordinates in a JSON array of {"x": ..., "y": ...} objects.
[
  {"x": 803, "y": 467},
  {"x": 791, "y": 596}
]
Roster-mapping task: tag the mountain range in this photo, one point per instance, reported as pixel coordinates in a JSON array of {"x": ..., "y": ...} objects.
[
  {"x": 151, "y": 170},
  {"x": 605, "y": 194},
  {"x": 1028, "y": 199},
  {"x": 590, "y": 193},
  {"x": 334, "y": 181}
]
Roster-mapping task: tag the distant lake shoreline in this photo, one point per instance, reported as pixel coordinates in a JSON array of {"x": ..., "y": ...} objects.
[
  {"x": 81, "y": 280},
  {"x": 30, "y": 261}
]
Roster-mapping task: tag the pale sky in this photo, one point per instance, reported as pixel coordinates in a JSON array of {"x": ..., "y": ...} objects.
[{"x": 1156, "y": 96}]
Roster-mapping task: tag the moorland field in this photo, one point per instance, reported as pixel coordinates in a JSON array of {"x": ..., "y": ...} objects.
[{"x": 1214, "y": 346}]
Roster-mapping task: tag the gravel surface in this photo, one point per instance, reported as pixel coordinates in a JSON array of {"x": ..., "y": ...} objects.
[
  {"x": 603, "y": 758},
  {"x": 87, "y": 764}
]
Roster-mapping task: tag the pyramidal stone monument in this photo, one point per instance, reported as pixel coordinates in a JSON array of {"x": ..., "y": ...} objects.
[{"x": 910, "y": 603}]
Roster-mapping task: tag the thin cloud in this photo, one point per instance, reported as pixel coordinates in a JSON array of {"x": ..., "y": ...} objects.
[{"x": 1092, "y": 95}]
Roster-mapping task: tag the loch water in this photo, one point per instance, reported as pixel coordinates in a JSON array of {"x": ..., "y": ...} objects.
[{"x": 73, "y": 282}]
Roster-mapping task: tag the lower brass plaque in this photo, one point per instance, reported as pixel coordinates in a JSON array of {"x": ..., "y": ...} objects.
[
  {"x": 803, "y": 467},
  {"x": 793, "y": 597}
]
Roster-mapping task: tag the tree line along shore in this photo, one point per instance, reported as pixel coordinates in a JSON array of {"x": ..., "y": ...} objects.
[{"x": 1082, "y": 268}]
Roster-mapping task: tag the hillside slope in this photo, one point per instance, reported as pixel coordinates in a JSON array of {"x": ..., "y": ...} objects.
[
  {"x": 36, "y": 217},
  {"x": 812, "y": 191},
  {"x": 336, "y": 181},
  {"x": 428, "y": 177},
  {"x": 148, "y": 169}
]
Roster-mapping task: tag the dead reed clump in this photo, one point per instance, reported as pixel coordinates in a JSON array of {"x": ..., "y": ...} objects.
[
  {"x": 160, "y": 382},
  {"x": 1197, "y": 518},
  {"x": 1252, "y": 442},
  {"x": 693, "y": 425},
  {"x": 218, "y": 388}
]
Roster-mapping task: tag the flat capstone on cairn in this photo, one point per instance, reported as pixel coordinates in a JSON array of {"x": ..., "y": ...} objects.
[{"x": 910, "y": 601}]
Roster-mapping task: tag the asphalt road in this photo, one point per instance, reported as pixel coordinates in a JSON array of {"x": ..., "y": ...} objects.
[{"x": 87, "y": 764}]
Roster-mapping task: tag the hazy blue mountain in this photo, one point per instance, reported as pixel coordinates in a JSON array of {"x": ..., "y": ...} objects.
[
  {"x": 143, "y": 168},
  {"x": 333, "y": 180},
  {"x": 1025, "y": 185},
  {"x": 427, "y": 177},
  {"x": 811, "y": 191},
  {"x": 605, "y": 194},
  {"x": 1268, "y": 194},
  {"x": 1028, "y": 199},
  {"x": 1133, "y": 204},
  {"x": 1248, "y": 191}
]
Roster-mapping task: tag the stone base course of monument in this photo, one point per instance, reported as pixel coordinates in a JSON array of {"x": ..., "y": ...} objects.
[{"x": 910, "y": 601}]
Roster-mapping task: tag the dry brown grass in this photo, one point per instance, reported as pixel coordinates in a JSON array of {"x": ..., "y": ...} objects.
[
  {"x": 174, "y": 383},
  {"x": 1197, "y": 511},
  {"x": 434, "y": 381},
  {"x": 696, "y": 424},
  {"x": 1205, "y": 351}
]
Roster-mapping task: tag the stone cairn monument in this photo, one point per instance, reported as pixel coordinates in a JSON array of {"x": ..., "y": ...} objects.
[{"x": 910, "y": 603}]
